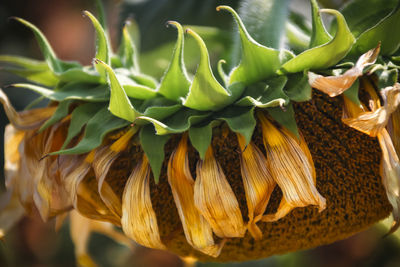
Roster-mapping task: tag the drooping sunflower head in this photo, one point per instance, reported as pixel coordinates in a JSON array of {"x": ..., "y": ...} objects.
[{"x": 243, "y": 166}]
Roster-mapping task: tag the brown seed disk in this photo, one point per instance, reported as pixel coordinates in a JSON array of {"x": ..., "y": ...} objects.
[{"x": 347, "y": 165}]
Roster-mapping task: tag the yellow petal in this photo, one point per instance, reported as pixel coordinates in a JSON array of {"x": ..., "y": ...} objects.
[
  {"x": 139, "y": 220},
  {"x": 291, "y": 167},
  {"x": 390, "y": 172},
  {"x": 214, "y": 198},
  {"x": 336, "y": 85},
  {"x": 197, "y": 230},
  {"x": 102, "y": 162},
  {"x": 395, "y": 130},
  {"x": 25, "y": 120},
  {"x": 12, "y": 140},
  {"x": 373, "y": 122},
  {"x": 258, "y": 183}
]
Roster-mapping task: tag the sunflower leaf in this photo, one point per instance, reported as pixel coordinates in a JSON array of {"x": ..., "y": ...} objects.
[
  {"x": 43, "y": 77},
  {"x": 200, "y": 137},
  {"x": 385, "y": 32},
  {"x": 239, "y": 119},
  {"x": 297, "y": 87},
  {"x": 102, "y": 123},
  {"x": 79, "y": 118},
  {"x": 352, "y": 93},
  {"x": 178, "y": 122},
  {"x": 265, "y": 94},
  {"x": 328, "y": 54},
  {"x": 153, "y": 147},
  {"x": 205, "y": 92},
  {"x": 72, "y": 90},
  {"x": 60, "y": 113},
  {"x": 319, "y": 35},
  {"x": 175, "y": 82}
]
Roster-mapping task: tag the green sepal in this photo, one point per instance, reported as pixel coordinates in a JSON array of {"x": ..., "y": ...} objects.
[
  {"x": 157, "y": 108},
  {"x": 240, "y": 120},
  {"x": 119, "y": 104},
  {"x": 127, "y": 50},
  {"x": 352, "y": 93},
  {"x": 175, "y": 82},
  {"x": 298, "y": 88},
  {"x": 25, "y": 63},
  {"x": 265, "y": 94},
  {"x": 200, "y": 137},
  {"x": 385, "y": 32},
  {"x": 145, "y": 80},
  {"x": 43, "y": 77},
  {"x": 328, "y": 54},
  {"x": 205, "y": 92},
  {"x": 102, "y": 123},
  {"x": 103, "y": 49},
  {"x": 72, "y": 90},
  {"x": 319, "y": 35},
  {"x": 224, "y": 77},
  {"x": 177, "y": 123},
  {"x": 387, "y": 77},
  {"x": 60, "y": 113},
  {"x": 258, "y": 62},
  {"x": 285, "y": 117},
  {"x": 101, "y": 14},
  {"x": 153, "y": 146},
  {"x": 80, "y": 116}
]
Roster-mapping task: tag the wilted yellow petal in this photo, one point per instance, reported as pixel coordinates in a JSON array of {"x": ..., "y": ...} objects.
[
  {"x": 214, "y": 198},
  {"x": 291, "y": 168},
  {"x": 395, "y": 130},
  {"x": 197, "y": 230},
  {"x": 258, "y": 183},
  {"x": 372, "y": 122},
  {"x": 11, "y": 211},
  {"x": 139, "y": 220},
  {"x": 25, "y": 120},
  {"x": 12, "y": 140},
  {"x": 336, "y": 85},
  {"x": 102, "y": 162},
  {"x": 390, "y": 172}
]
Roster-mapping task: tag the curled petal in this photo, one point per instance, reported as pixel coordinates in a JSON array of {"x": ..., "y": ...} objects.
[
  {"x": 102, "y": 162},
  {"x": 336, "y": 85},
  {"x": 373, "y": 122},
  {"x": 390, "y": 172},
  {"x": 214, "y": 198},
  {"x": 25, "y": 120},
  {"x": 395, "y": 130},
  {"x": 139, "y": 220},
  {"x": 290, "y": 163},
  {"x": 197, "y": 230},
  {"x": 258, "y": 183}
]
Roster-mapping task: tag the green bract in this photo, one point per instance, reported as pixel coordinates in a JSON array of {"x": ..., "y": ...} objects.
[{"x": 114, "y": 94}]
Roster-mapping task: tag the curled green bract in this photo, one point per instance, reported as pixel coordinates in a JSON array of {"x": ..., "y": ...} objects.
[{"x": 326, "y": 55}]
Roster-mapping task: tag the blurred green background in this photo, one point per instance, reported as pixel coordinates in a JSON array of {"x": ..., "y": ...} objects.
[{"x": 34, "y": 243}]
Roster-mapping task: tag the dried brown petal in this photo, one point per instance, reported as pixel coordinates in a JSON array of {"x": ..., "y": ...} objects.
[
  {"x": 336, "y": 85},
  {"x": 102, "y": 162},
  {"x": 373, "y": 122},
  {"x": 11, "y": 211},
  {"x": 12, "y": 140},
  {"x": 291, "y": 168},
  {"x": 197, "y": 230},
  {"x": 25, "y": 120},
  {"x": 139, "y": 220},
  {"x": 214, "y": 198},
  {"x": 258, "y": 183}
]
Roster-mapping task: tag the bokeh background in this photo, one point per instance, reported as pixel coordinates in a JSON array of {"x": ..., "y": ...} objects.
[{"x": 34, "y": 243}]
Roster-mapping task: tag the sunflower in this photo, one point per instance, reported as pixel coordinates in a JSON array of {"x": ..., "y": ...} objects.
[{"x": 252, "y": 166}]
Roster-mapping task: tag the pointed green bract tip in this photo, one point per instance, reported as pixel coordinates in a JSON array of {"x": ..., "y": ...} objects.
[{"x": 175, "y": 82}]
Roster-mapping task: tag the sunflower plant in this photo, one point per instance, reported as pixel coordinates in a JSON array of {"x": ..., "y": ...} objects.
[{"x": 293, "y": 147}]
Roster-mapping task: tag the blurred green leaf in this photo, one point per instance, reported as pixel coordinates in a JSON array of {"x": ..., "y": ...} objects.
[{"x": 319, "y": 35}]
